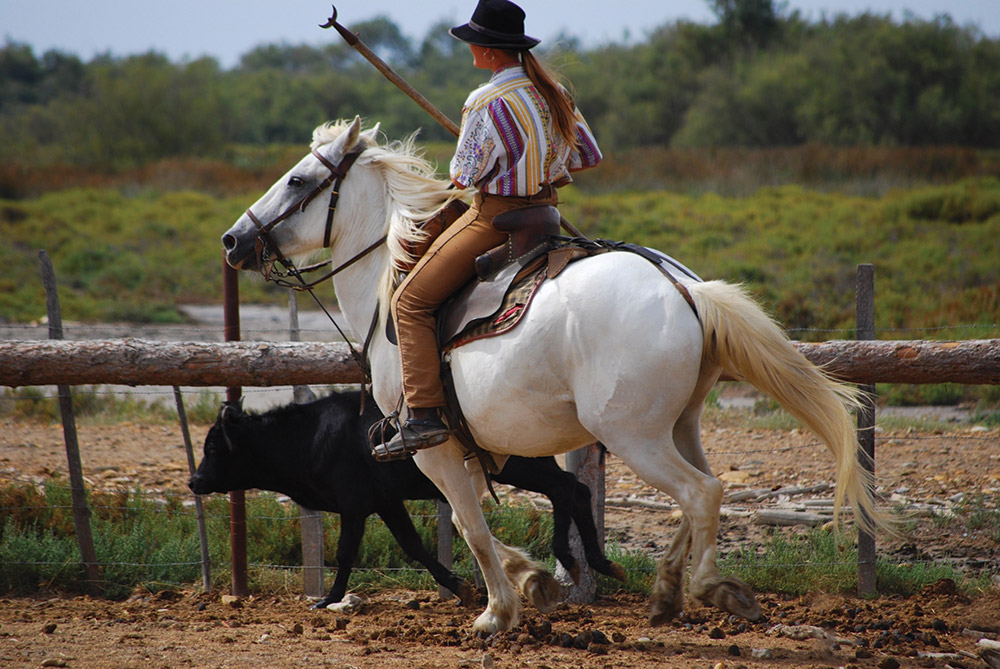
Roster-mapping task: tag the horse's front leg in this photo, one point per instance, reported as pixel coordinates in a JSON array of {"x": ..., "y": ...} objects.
[
  {"x": 534, "y": 581},
  {"x": 444, "y": 466}
]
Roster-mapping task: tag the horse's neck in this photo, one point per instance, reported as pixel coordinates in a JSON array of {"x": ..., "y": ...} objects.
[{"x": 357, "y": 291}]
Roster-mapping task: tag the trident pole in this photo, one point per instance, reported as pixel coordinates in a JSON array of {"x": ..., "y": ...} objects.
[{"x": 390, "y": 74}]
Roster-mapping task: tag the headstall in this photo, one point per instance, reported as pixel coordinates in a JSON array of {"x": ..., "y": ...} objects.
[
  {"x": 264, "y": 240},
  {"x": 265, "y": 246}
]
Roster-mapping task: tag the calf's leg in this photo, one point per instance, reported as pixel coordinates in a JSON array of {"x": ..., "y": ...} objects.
[
  {"x": 352, "y": 530},
  {"x": 398, "y": 521}
]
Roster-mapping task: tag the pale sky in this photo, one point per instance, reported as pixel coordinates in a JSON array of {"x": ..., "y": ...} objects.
[{"x": 226, "y": 29}]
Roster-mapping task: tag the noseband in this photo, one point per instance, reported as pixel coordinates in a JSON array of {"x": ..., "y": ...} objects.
[{"x": 335, "y": 178}]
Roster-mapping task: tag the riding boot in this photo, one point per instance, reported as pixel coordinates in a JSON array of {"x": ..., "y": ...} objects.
[{"x": 422, "y": 429}]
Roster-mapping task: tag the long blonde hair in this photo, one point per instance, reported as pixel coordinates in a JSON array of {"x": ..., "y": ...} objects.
[{"x": 560, "y": 103}]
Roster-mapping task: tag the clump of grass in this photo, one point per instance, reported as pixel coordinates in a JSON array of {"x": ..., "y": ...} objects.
[
  {"x": 929, "y": 394},
  {"x": 797, "y": 563},
  {"x": 976, "y": 513},
  {"x": 640, "y": 571}
]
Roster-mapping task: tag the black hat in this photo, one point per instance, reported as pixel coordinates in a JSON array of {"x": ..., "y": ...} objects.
[{"x": 495, "y": 23}]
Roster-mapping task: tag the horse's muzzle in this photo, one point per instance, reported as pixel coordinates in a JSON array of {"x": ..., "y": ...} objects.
[{"x": 243, "y": 256}]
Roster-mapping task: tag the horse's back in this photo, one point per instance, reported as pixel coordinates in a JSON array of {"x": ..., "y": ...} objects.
[{"x": 610, "y": 338}]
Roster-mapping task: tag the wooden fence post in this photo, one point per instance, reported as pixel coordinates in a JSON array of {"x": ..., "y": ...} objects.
[
  {"x": 206, "y": 565},
  {"x": 237, "y": 498},
  {"x": 587, "y": 464},
  {"x": 865, "y": 318},
  {"x": 81, "y": 512},
  {"x": 310, "y": 520}
]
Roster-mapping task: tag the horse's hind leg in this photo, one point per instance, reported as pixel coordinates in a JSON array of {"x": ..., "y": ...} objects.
[
  {"x": 729, "y": 594},
  {"x": 443, "y": 465},
  {"x": 667, "y": 596}
]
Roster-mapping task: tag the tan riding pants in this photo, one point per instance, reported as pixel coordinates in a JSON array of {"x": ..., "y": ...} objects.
[{"x": 447, "y": 266}]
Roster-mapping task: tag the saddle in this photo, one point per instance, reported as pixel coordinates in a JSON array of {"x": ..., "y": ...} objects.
[
  {"x": 508, "y": 277},
  {"x": 530, "y": 234}
]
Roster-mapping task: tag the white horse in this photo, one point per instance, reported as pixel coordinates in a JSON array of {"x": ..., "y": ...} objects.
[{"x": 609, "y": 351}]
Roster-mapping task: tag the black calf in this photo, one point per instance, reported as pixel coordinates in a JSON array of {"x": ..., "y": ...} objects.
[{"x": 318, "y": 455}]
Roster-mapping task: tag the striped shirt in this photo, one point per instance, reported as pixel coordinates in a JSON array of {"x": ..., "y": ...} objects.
[{"x": 508, "y": 144}]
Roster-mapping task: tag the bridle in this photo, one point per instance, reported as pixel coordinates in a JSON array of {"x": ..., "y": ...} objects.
[{"x": 266, "y": 247}]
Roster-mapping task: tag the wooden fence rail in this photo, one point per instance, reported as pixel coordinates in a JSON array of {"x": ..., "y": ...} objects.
[{"x": 139, "y": 362}]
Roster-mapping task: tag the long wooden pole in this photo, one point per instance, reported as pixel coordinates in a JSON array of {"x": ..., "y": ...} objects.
[
  {"x": 311, "y": 520},
  {"x": 206, "y": 565},
  {"x": 137, "y": 362},
  {"x": 353, "y": 40}
]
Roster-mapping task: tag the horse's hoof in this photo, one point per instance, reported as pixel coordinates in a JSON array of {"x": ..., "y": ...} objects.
[
  {"x": 489, "y": 623},
  {"x": 667, "y": 596},
  {"x": 662, "y": 611},
  {"x": 542, "y": 590},
  {"x": 321, "y": 604},
  {"x": 734, "y": 596}
]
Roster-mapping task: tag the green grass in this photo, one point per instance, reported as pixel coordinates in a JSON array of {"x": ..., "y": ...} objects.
[
  {"x": 150, "y": 543},
  {"x": 123, "y": 255},
  {"x": 97, "y": 405},
  {"x": 822, "y": 560}
]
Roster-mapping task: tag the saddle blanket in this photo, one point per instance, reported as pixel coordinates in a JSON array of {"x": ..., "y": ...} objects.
[{"x": 514, "y": 306}]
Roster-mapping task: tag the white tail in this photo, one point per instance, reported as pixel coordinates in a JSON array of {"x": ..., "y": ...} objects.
[{"x": 744, "y": 341}]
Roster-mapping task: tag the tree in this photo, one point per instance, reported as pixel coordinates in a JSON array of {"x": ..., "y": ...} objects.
[{"x": 750, "y": 23}]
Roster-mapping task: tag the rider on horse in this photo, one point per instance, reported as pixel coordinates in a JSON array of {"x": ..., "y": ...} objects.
[{"x": 520, "y": 138}]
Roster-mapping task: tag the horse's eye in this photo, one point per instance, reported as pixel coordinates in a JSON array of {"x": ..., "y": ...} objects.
[{"x": 296, "y": 182}]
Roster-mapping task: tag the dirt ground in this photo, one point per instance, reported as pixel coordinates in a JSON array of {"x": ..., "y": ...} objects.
[{"x": 925, "y": 471}]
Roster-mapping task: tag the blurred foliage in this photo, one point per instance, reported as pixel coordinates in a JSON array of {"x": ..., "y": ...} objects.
[
  {"x": 760, "y": 76},
  {"x": 135, "y": 257}
]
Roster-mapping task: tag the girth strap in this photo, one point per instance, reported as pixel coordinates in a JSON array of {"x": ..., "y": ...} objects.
[{"x": 460, "y": 429}]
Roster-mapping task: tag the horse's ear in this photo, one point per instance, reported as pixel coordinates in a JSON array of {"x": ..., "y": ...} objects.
[
  {"x": 352, "y": 134},
  {"x": 370, "y": 137}
]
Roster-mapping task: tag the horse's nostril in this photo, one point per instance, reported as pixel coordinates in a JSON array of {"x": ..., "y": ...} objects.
[{"x": 228, "y": 242}]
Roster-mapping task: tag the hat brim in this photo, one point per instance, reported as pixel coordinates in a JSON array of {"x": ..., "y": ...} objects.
[{"x": 467, "y": 33}]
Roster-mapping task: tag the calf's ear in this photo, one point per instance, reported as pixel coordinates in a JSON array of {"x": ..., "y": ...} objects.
[{"x": 228, "y": 417}]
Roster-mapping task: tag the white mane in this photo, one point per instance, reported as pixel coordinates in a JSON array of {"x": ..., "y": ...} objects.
[{"x": 414, "y": 192}]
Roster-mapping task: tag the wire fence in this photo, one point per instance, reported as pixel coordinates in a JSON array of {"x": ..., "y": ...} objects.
[
  {"x": 174, "y": 499},
  {"x": 168, "y": 502}
]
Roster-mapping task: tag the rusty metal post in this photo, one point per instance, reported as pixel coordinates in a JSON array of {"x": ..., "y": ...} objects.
[
  {"x": 237, "y": 498},
  {"x": 865, "y": 318}
]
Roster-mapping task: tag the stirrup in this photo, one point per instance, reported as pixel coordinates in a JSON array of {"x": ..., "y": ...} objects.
[{"x": 413, "y": 436}]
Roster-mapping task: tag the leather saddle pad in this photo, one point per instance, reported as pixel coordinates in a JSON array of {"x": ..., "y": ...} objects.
[{"x": 489, "y": 308}]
